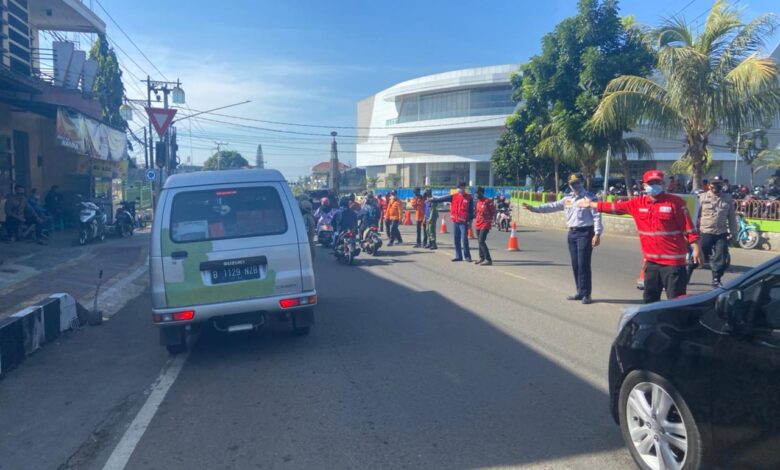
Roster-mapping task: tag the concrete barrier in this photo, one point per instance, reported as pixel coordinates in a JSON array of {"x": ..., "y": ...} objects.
[{"x": 29, "y": 329}]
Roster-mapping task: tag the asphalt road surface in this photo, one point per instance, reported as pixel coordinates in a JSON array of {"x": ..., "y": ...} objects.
[{"x": 415, "y": 362}]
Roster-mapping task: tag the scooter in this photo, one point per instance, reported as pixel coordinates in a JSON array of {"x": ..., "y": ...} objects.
[
  {"x": 747, "y": 236},
  {"x": 92, "y": 222},
  {"x": 123, "y": 225},
  {"x": 504, "y": 220},
  {"x": 372, "y": 241},
  {"x": 346, "y": 248},
  {"x": 325, "y": 229}
]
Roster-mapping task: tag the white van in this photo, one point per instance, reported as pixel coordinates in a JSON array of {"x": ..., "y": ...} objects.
[{"x": 230, "y": 248}]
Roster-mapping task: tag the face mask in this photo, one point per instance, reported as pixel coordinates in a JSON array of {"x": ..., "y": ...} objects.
[
  {"x": 716, "y": 188},
  {"x": 654, "y": 189},
  {"x": 576, "y": 187},
  {"x": 460, "y": 190}
]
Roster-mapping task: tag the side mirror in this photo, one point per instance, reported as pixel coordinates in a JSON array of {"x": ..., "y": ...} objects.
[{"x": 728, "y": 306}]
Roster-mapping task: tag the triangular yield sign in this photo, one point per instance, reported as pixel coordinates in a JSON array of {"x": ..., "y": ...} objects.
[{"x": 161, "y": 118}]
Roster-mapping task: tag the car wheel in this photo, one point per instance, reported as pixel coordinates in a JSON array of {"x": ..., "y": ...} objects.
[{"x": 657, "y": 424}]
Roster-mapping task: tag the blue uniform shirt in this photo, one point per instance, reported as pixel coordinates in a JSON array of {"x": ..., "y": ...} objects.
[{"x": 575, "y": 216}]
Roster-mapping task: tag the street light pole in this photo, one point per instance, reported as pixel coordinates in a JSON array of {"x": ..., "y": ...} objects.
[{"x": 736, "y": 151}]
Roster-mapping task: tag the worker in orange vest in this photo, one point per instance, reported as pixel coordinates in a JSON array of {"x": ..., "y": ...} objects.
[
  {"x": 418, "y": 204},
  {"x": 393, "y": 219}
]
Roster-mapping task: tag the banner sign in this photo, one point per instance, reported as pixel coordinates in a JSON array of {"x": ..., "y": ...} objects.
[{"x": 89, "y": 137}]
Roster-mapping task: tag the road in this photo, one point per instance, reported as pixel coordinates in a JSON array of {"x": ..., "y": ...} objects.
[{"x": 415, "y": 362}]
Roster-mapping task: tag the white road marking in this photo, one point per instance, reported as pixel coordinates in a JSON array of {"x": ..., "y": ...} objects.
[{"x": 132, "y": 436}]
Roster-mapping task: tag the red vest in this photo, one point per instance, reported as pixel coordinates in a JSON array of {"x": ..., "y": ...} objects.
[{"x": 459, "y": 208}]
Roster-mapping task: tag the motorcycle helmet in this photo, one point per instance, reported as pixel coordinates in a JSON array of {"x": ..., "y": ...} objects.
[{"x": 325, "y": 201}]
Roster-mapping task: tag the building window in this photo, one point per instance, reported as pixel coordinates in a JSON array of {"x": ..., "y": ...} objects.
[{"x": 452, "y": 104}]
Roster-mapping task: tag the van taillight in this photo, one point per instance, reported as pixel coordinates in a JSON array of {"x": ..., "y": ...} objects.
[
  {"x": 298, "y": 301},
  {"x": 176, "y": 316}
]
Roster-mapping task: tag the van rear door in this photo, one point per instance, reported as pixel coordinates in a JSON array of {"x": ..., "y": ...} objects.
[{"x": 229, "y": 242}]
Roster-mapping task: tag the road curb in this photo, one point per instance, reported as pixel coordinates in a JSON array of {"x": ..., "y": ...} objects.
[{"x": 29, "y": 329}]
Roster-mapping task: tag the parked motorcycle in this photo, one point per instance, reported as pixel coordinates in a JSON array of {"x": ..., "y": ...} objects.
[
  {"x": 92, "y": 222},
  {"x": 747, "y": 236},
  {"x": 346, "y": 247},
  {"x": 372, "y": 241},
  {"x": 504, "y": 220},
  {"x": 325, "y": 229},
  {"x": 123, "y": 225}
]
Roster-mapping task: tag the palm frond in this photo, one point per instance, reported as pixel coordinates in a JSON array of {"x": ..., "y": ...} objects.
[
  {"x": 631, "y": 99},
  {"x": 750, "y": 40},
  {"x": 721, "y": 22},
  {"x": 769, "y": 158},
  {"x": 638, "y": 146},
  {"x": 673, "y": 32},
  {"x": 753, "y": 75}
]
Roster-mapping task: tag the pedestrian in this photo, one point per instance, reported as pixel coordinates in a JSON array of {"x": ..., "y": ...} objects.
[
  {"x": 485, "y": 213},
  {"x": 431, "y": 217},
  {"x": 461, "y": 213},
  {"x": 382, "y": 204},
  {"x": 585, "y": 230},
  {"x": 717, "y": 223},
  {"x": 54, "y": 204},
  {"x": 393, "y": 220},
  {"x": 418, "y": 204},
  {"x": 665, "y": 232},
  {"x": 674, "y": 186}
]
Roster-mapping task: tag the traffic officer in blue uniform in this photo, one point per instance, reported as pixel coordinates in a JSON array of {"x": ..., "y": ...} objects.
[{"x": 584, "y": 233}]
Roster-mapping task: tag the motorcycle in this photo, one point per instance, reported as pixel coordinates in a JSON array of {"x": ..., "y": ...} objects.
[
  {"x": 92, "y": 222},
  {"x": 747, "y": 236},
  {"x": 123, "y": 225},
  {"x": 504, "y": 220},
  {"x": 372, "y": 241},
  {"x": 325, "y": 229},
  {"x": 346, "y": 248}
]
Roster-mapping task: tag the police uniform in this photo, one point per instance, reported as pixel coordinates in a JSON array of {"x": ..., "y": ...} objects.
[
  {"x": 717, "y": 217},
  {"x": 583, "y": 224}
]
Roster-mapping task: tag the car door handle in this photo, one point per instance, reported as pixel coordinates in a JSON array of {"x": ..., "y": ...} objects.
[{"x": 179, "y": 254}]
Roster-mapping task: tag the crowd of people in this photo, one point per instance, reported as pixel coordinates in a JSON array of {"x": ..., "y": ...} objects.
[
  {"x": 26, "y": 217},
  {"x": 672, "y": 243}
]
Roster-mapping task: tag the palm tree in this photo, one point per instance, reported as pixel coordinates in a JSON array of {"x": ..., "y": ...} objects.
[
  {"x": 769, "y": 158},
  {"x": 555, "y": 145},
  {"x": 713, "y": 78}
]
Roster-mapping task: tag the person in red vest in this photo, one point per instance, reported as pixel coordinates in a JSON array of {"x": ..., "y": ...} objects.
[
  {"x": 486, "y": 211},
  {"x": 665, "y": 231},
  {"x": 461, "y": 213}
]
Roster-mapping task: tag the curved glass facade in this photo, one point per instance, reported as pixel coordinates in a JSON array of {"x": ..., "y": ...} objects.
[{"x": 483, "y": 101}]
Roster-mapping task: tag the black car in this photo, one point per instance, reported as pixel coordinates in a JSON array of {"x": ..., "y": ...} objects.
[{"x": 695, "y": 382}]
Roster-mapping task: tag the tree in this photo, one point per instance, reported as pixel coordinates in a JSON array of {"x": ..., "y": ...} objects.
[
  {"x": 108, "y": 82},
  {"x": 564, "y": 83},
  {"x": 769, "y": 158},
  {"x": 372, "y": 181},
  {"x": 710, "y": 79},
  {"x": 751, "y": 144},
  {"x": 225, "y": 160},
  {"x": 393, "y": 180}
]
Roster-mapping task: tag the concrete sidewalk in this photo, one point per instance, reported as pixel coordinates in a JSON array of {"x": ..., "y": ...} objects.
[{"x": 31, "y": 272}]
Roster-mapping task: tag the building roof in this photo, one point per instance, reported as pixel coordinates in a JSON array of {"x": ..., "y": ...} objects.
[
  {"x": 324, "y": 167},
  {"x": 203, "y": 178}
]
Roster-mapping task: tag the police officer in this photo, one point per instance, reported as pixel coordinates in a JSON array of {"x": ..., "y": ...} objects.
[
  {"x": 717, "y": 223},
  {"x": 584, "y": 233}
]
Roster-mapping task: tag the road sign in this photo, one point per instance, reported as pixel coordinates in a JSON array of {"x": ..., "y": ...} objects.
[
  {"x": 161, "y": 118},
  {"x": 151, "y": 175}
]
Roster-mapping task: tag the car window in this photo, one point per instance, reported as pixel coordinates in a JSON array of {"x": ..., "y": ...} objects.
[
  {"x": 227, "y": 213},
  {"x": 762, "y": 300}
]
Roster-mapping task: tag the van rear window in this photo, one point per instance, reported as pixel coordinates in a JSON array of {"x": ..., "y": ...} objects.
[{"x": 227, "y": 213}]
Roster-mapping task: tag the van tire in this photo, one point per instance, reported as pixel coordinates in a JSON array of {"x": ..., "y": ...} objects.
[
  {"x": 302, "y": 321},
  {"x": 174, "y": 338}
]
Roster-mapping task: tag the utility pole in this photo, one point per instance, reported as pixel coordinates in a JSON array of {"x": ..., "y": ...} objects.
[
  {"x": 259, "y": 157},
  {"x": 219, "y": 154},
  {"x": 334, "y": 164}
]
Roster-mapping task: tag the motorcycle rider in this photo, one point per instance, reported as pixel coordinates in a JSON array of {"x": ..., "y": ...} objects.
[
  {"x": 502, "y": 205},
  {"x": 344, "y": 219},
  {"x": 369, "y": 214},
  {"x": 323, "y": 210},
  {"x": 717, "y": 223},
  {"x": 309, "y": 221}
]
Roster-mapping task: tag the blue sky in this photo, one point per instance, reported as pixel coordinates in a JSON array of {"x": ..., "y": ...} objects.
[{"x": 310, "y": 61}]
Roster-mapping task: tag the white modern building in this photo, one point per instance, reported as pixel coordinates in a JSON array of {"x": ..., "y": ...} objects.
[{"x": 436, "y": 130}]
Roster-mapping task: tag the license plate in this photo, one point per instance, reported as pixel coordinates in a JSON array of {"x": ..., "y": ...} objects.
[{"x": 235, "y": 274}]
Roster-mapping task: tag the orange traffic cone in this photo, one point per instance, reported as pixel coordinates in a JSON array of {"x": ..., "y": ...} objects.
[
  {"x": 513, "y": 243},
  {"x": 408, "y": 218},
  {"x": 443, "y": 226},
  {"x": 470, "y": 233}
]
